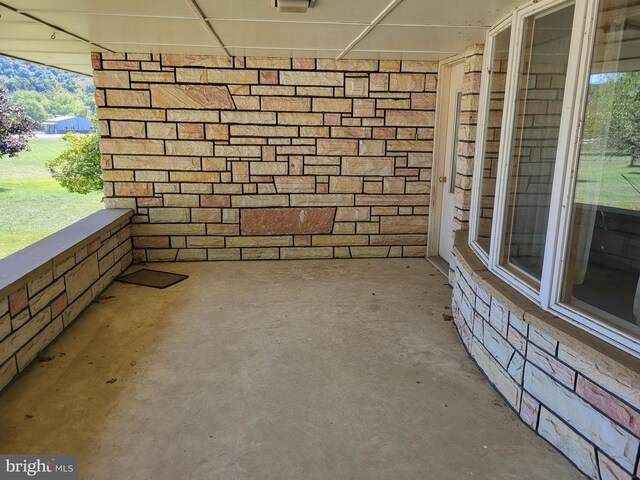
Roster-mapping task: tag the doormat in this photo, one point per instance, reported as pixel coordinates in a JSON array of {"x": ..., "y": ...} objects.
[{"x": 152, "y": 278}]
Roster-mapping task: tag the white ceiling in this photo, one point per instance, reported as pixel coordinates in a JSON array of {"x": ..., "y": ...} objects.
[{"x": 411, "y": 29}]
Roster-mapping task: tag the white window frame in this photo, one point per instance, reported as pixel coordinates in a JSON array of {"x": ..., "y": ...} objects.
[{"x": 548, "y": 297}]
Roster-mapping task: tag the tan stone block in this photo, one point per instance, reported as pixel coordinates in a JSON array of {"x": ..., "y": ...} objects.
[
  {"x": 364, "y": 108},
  {"x": 312, "y": 78},
  {"x": 353, "y": 214},
  {"x": 191, "y": 75},
  {"x": 35, "y": 285},
  {"x": 260, "y": 253},
  {"x": 144, "y": 229},
  {"x": 273, "y": 90},
  {"x": 151, "y": 242},
  {"x": 418, "y": 187},
  {"x": 205, "y": 242},
  {"x": 327, "y": 200},
  {"x": 410, "y": 118},
  {"x": 81, "y": 277},
  {"x": 356, "y": 87},
  {"x": 161, "y": 130},
  {"x": 314, "y": 91},
  {"x": 367, "y": 228},
  {"x": 46, "y": 296},
  {"x": 144, "y": 162},
  {"x": 393, "y": 200},
  {"x": 141, "y": 147},
  {"x": 287, "y": 118},
  {"x": 303, "y": 63},
  {"x": 223, "y": 254},
  {"x": 128, "y": 129},
  {"x": 347, "y": 65},
  {"x": 127, "y": 98},
  {"x": 379, "y": 82},
  {"x": 206, "y": 215},
  {"x": 191, "y": 96},
  {"x": 117, "y": 176},
  {"x": 404, "y": 224},
  {"x": 398, "y": 239},
  {"x": 205, "y": 116},
  {"x": 263, "y": 131},
  {"x": 345, "y": 185},
  {"x": 215, "y": 200},
  {"x": 193, "y": 254},
  {"x": 230, "y": 215},
  {"x": 153, "y": 77},
  {"x": 238, "y": 151},
  {"x": 181, "y": 60},
  {"x": 189, "y": 147},
  {"x": 351, "y": 132},
  {"x": 423, "y": 66},
  {"x": 279, "y": 63},
  {"x": 286, "y": 104},
  {"x": 133, "y": 189},
  {"x": 369, "y": 252},
  {"x": 206, "y": 177},
  {"x": 362, "y": 166},
  {"x": 102, "y": 79},
  {"x": 217, "y": 132},
  {"x": 337, "y": 147},
  {"x": 306, "y": 253},
  {"x": 223, "y": 229},
  {"x": 423, "y": 100},
  {"x": 214, "y": 163},
  {"x": 232, "y": 77},
  {"x": 344, "y": 229},
  {"x": 247, "y": 103},
  {"x": 169, "y": 215},
  {"x": 269, "y": 168},
  {"x": 252, "y": 201},
  {"x": 240, "y": 171},
  {"x": 262, "y": 241},
  {"x": 406, "y": 82},
  {"x": 339, "y": 240},
  {"x": 191, "y": 131},
  {"x": 295, "y": 184},
  {"x": 371, "y": 147},
  {"x": 409, "y": 146},
  {"x": 389, "y": 65},
  {"x": 314, "y": 132},
  {"x": 393, "y": 185},
  {"x": 268, "y": 118},
  {"x": 415, "y": 251},
  {"x": 332, "y": 104}
]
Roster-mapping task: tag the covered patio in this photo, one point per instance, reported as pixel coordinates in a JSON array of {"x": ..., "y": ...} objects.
[{"x": 305, "y": 369}]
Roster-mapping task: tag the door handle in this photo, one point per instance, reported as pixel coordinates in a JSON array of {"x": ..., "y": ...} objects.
[{"x": 442, "y": 179}]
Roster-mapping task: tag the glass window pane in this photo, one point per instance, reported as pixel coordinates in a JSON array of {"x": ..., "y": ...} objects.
[
  {"x": 493, "y": 129},
  {"x": 543, "y": 70},
  {"x": 603, "y": 258}
]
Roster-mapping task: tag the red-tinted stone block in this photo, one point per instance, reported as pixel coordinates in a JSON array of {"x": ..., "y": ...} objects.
[{"x": 287, "y": 221}]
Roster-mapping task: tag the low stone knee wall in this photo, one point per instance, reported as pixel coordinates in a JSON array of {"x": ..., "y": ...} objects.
[
  {"x": 579, "y": 393},
  {"x": 45, "y": 286}
]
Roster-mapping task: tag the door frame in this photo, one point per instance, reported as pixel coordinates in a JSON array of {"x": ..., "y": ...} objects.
[{"x": 439, "y": 148}]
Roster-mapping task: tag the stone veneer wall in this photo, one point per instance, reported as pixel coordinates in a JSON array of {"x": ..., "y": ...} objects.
[
  {"x": 577, "y": 392},
  {"x": 264, "y": 158},
  {"x": 35, "y": 307}
]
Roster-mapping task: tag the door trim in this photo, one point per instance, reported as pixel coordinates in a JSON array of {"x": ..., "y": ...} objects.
[{"x": 439, "y": 147}]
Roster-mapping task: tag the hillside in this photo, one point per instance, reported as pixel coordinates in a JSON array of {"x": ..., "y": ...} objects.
[{"x": 45, "y": 92}]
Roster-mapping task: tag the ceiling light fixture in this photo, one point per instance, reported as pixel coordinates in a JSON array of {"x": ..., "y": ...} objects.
[{"x": 293, "y": 6}]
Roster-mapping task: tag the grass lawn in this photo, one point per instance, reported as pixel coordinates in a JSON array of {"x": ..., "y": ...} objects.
[
  {"x": 608, "y": 181},
  {"x": 32, "y": 204}
]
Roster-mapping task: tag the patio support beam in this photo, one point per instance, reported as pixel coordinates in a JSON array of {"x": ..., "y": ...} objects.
[
  {"x": 389, "y": 8},
  {"x": 207, "y": 25},
  {"x": 54, "y": 27}
]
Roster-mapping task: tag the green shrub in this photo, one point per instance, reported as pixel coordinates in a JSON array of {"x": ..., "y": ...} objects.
[{"x": 78, "y": 167}]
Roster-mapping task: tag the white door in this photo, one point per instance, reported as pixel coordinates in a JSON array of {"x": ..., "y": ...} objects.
[{"x": 448, "y": 155}]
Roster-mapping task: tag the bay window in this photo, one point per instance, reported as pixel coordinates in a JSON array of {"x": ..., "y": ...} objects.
[{"x": 556, "y": 199}]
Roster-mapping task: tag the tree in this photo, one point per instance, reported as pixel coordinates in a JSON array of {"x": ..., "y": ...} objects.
[
  {"x": 15, "y": 126},
  {"x": 613, "y": 115},
  {"x": 33, "y": 104},
  {"x": 78, "y": 167}
]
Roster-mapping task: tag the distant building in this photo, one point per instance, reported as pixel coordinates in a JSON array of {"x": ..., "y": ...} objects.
[{"x": 67, "y": 124}]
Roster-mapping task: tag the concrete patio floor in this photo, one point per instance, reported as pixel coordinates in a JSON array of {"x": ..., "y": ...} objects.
[{"x": 273, "y": 370}]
